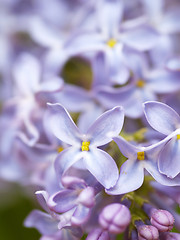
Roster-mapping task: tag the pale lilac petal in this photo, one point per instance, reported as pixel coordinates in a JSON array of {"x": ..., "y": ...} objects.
[
  {"x": 109, "y": 16},
  {"x": 80, "y": 216},
  {"x": 87, "y": 197},
  {"x": 170, "y": 23},
  {"x": 161, "y": 117},
  {"x": 62, "y": 125},
  {"x": 74, "y": 98},
  {"x": 42, "y": 197},
  {"x": 30, "y": 135},
  {"x": 85, "y": 42},
  {"x": 66, "y": 159},
  {"x": 163, "y": 81},
  {"x": 43, "y": 34},
  {"x": 173, "y": 64},
  {"x": 52, "y": 85},
  {"x": 73, "y": 183},
  {"x": 152, "y": 168},
  {"x": 42, "y": 221},
  {"x": 131, "y": 178},
  {"x": 100, "y": 77},
  {"x": 108, "y": 125},
  {"x": 128, "y": 97},
  {"x": 118, "y": 70},
  {"x": 87, "y": 118},
  {"x": 153, "y": 9},
  {"x": 169, "y": 163},
  {"x": 102, "y": 166},
  {"x": 141, "y": 39},
  {"x": 127, "y": 149},
  {"x": 63, "y": 201},
  {"x": 26, "y": 72}
]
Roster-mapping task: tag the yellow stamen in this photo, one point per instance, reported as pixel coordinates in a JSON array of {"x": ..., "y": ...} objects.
[
  {"x": 85, "y": 146},
  {"x": 112, "y": 42},
  {"x": 60, "y": 149},
  {"x": 140, "y": 156},
  {"x": 140, "y": 83},
  {"x": 178, "y": 137}
]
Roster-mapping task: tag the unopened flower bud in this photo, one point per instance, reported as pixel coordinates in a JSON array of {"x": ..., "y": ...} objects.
[
  {"x": 115, "y": 218},
  {"x": 148, "y": 232},
  {"x": 162, "y": 220},
  {"x": 98, "y": 234},
  {"x": 170, "y": 236}
]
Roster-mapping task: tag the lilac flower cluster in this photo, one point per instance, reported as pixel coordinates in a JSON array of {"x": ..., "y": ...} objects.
[{"x": 101, "y": 152}]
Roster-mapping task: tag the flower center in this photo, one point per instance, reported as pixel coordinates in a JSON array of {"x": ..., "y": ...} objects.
[
  {"x": 111, "y": 42},
  {"x": 60, "y": 149},
  {"x": 140, "y": 156},
  {"x": 140, "y": 83},
  {"x": 85, "y": 146},
  {"x": 178, "y": 136}
]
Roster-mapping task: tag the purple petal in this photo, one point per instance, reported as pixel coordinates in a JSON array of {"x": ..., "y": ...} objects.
[
  {"x": 127, "y": 149},
  {"x": 109, "y": 16},
  {"x": 43, "y": 34},
  {"x": 80, "y": 216},
  {"x": 74, "y": 98},
  {"x": 42, "y": 197},
  {"x": 87, "y": 118},
  {"x": 153, "y": 9},
  {"x": 163, "y": 81},
  {"x": 173, "y": 64},
  {"x": 161, "y": 117},
  {"x": 84, "y": 42},
  {"x": 108, "y": 125},
  {"x": 141, "y": 39},
  {"x": 63, "y": 201},
  {"x": 26, "y": 72},
  {"x": 53, "y": 85},
  {"x": 42, "y": 221},
  {"x": 131, "y": 178},
  {"x": 102, "y": 166},
  {"x": 169, "y": 163},
  {"x": 118, "y": 71},
  {"x": 66, "y": 159},
  {"x": 87, "y": 197},
  {"x": 125, "y": 96},
  {"x": 62, "y": 125},
  {"x": 170, "y": 23},
  {"x": 73, "y": 183},
  {"x": 152, "y": 168}
]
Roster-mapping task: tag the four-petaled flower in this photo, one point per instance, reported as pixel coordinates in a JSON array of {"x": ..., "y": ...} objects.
[{"x": 84, "y": 146}]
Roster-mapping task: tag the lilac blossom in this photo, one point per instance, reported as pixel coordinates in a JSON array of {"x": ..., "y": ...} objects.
[
  {"x": 165, "y": 120},
  {"x": 28, "y": 93},
  {"x": 51, "y": 224},
  {"x": 77, "y": 196},
  {"x": 84, "y": 146},
  {"x": 132, "y": 171}
]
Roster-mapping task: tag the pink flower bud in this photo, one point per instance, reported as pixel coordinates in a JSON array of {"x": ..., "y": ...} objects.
[
  {"x": 147, "y": 232},
  {"x": 115, "y": 218},
  {"x": 98, "y": 234},
  {"x": 170, "y": 236},
  {"x": 162, "y": 220}
]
